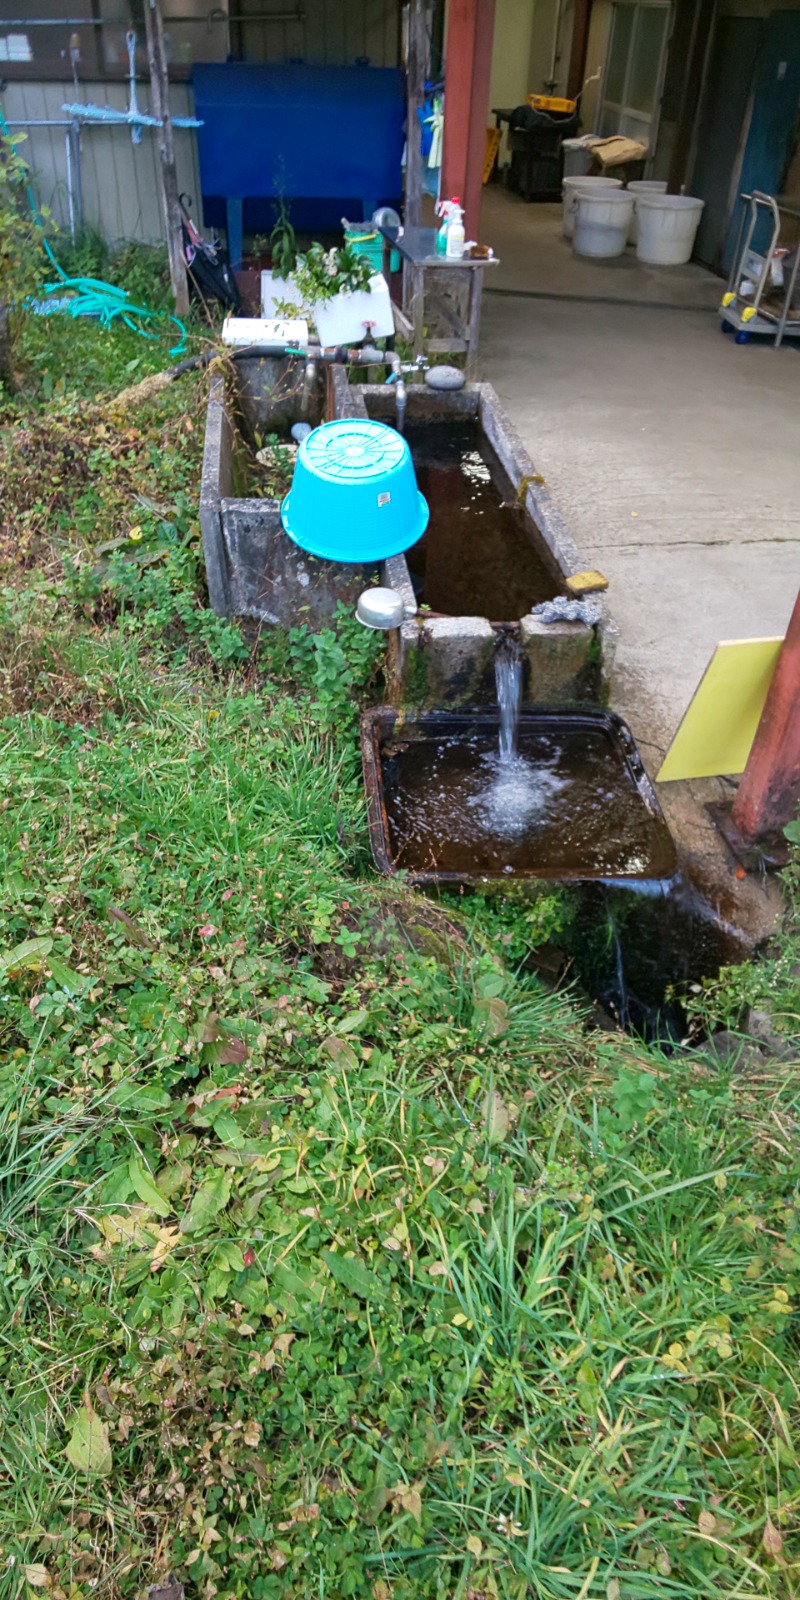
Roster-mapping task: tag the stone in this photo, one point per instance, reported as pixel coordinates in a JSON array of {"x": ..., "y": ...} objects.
[
  {"x": 731, "y": 1050},
  {"x": 447, "y": 378},
  {"x": 760, "y": 1027},
  {"x": 446, "y": 660},
  {"x": 561, "y": 657}
]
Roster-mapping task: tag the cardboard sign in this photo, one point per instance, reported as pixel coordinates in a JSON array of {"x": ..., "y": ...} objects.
[{"x": 718, "y": 729}]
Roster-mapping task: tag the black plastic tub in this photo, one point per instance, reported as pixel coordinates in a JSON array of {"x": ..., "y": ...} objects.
[{"x": 573, "y": 804}]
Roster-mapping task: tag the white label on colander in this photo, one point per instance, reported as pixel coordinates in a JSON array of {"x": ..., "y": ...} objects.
[{"x": 383, "y": 499}]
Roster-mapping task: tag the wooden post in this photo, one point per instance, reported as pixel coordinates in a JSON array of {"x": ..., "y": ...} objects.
[
  {"x": 159, "y": 92},
  {"x": 416, "y": 71},
  {"x": 769, "y": 791},
  {"x": 468, "y": 65},
  {"x": 582, "y": 16}
]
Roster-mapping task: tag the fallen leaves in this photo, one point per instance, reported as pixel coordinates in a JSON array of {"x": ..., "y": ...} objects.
[
  {"x": 37, "y": 1576},
  {"x": 407, "y": 1497},
  {"x": 89, "y": 1447},
  {"x": 772, "y": 1539}
]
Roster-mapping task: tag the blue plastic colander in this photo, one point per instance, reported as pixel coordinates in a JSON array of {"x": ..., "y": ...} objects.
[{"x": 354, "y": 494}]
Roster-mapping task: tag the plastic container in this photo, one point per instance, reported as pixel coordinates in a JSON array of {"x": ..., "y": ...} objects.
[
  {"x": 456, "y": 237},
  {"x": 355, "y": 315},
  {"x": 550, "y": 102},
  {"x": 367, "y": 242},
  {"x": 569, "y": 190},
  {"x": 242, "y": 331},
  {"x": 602, "y": 219},
  {"x": 667, "y": 225},
  {"x": 643, "y": 186},
  {"x": 354, "y": 494},
  {"x": 577, "y": 158},
  {"x": 278, "y": 291}
]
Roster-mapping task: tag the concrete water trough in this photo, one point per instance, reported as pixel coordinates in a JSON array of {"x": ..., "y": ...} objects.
[
  {"x": 253, "y": 570},
  {"x": 496, "y": 545}
]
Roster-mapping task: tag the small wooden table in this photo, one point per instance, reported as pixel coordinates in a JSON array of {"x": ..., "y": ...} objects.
[{"x": 417, "y": 250}]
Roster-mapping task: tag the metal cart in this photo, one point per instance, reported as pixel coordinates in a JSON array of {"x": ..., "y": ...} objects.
[{"x": 767, "y": 305}]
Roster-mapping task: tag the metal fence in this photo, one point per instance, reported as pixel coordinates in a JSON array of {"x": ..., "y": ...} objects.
[{"x": 92, "y": 175}]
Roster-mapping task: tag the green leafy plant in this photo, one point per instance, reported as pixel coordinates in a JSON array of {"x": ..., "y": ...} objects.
[
  {"x": 21, "y": 253},
  {"x": 319, "y": 274},
  {"x": 283, "y": 241},
  {"x": 337, "y": 662}
]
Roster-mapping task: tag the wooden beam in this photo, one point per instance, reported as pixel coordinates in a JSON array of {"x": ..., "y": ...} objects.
[
  {"x": 582, "y": 16},
  {"x": 468, "y": 65},
  {"x": 769, "y": 791},
  {"x": 159, "y": 92},
  {"x": 416, "y": 73}
]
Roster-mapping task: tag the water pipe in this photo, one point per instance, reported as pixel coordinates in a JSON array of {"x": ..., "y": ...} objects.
[
  {"x": 399, "y": 392},
  {"x": 309, "y": 378},
  {"x": 360, "y": 356}
]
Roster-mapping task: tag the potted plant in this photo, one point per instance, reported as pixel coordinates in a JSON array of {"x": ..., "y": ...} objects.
[{"x": 338, "y": 290}]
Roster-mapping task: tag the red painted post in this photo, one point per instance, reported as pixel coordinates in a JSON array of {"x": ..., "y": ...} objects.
[
  {"x": 769, "y": 792},
  {"x": 467, "y": 69}
]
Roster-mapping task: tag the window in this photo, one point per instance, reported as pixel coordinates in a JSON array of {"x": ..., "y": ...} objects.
[
  {"x": 15, "y": 47},
  {"x": 634, "y": 70}
]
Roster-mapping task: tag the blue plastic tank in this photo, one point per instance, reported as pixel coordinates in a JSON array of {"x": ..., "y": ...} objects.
[{"x": 354, "y": 494}]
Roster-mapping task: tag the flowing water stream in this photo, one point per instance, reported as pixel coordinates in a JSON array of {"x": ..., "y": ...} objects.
[{"x": 508, "y": 678}]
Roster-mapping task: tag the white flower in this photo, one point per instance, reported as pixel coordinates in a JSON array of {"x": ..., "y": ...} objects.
[{"x": 509, "y": 1527}]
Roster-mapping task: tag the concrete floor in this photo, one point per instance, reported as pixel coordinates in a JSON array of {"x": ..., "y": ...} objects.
[{"x": 671, "y": 452}]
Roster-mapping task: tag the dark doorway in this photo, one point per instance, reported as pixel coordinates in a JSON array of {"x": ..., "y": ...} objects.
[{"x": 722, "y": 131}]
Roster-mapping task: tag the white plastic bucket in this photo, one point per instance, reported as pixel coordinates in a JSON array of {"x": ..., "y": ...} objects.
[
  {"x": 601, "y": 222},
  {"x": 643, "y": 186},
  {"x": 569, "y": 190},
  {"x": 667, "y": 224},
  {"x": 577, "y": 156}
]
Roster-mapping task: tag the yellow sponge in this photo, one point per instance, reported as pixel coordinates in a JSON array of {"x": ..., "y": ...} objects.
[{"x": 586, "y": 582}]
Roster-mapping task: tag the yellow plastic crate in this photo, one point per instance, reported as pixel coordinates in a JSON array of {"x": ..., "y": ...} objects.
[{"x": 550, "y": 102}]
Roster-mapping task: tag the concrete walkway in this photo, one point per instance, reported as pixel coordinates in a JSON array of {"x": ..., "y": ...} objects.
[{"x": 671, "y": 451}]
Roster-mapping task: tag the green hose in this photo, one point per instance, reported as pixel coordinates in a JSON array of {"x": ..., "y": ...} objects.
[{"x": 93, "y": 297}]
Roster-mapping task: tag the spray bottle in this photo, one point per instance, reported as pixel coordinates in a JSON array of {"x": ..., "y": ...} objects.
[
  {"x": 443, "y": 210},
  {"x": 455, "y": 231}
]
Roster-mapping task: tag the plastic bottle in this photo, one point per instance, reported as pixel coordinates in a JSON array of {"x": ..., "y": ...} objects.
[
  {"x": 443, "y": 210},
  {"x": 455, "y": 232}
]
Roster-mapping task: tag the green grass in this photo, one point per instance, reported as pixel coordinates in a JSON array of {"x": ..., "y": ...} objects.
[{"x": 338, "y": 1257}]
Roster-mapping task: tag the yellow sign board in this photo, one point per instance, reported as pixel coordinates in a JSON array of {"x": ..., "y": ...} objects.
[{"x": 719, "y": 727}]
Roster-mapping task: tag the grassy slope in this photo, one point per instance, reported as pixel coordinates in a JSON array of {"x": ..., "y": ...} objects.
[{"x": 337, "y": 1258}]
